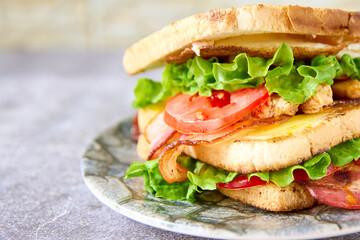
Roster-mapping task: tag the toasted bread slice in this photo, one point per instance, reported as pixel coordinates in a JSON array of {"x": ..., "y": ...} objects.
[
  {"x": 143, "y": 147},
  {"x": 273, "y": 198},
  {"x": 269, "y": 196},
  {"x": 277, "y": 146},
  {"x": 286, "y": 144},
  {"x": 257, "y": 30}
]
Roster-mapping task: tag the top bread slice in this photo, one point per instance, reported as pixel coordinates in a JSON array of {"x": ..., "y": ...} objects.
[{"x": 308, "y": 31}]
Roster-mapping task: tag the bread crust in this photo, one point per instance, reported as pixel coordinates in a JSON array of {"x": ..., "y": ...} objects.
[
  {"x": 226, "y": 23},
  {"x": 273, "y": 198},
  {"x": 300, "y": 52}
]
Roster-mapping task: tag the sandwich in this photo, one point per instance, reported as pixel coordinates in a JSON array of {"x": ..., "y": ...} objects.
[{"x": 260, "y": 103}]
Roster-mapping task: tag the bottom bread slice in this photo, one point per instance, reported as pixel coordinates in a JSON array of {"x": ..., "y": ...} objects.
[{"x": 273, "y": 198}]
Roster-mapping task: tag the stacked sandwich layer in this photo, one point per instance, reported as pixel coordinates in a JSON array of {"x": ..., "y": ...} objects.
[{"x": 270, "y": 124}]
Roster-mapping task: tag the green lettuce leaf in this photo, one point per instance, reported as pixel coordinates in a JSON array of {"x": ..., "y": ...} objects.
[
  {"x": 155, "y": 184},
  {"x": 339, "y": 155},
  {"x": 345, "y": 152},
  {"x": 249, "y": 72},
  {"x": 349, "y": 67},
  {"x": 206, "y": 177},
  {"x": 201, "y": 177},
  {"x": 295, "y": 82},
  {"x": 302, "y": 82},
  {"x": 148, "y": 92},
  {"x": 200, "y": 76}
]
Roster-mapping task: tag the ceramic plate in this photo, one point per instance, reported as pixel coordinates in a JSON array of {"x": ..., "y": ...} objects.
[{"x": 108, "y": 157}]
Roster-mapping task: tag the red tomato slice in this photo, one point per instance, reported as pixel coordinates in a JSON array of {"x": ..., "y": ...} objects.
[
  {"x": 220, "y": 98},
  {"x": 357, "y": 162},
  {"x": 198, "y": 114},
  {"x": 301, "y": 175},
  {"x": 242, "y": 182}
]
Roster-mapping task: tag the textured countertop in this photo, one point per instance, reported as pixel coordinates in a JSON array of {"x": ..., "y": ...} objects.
[{"x": 51, "y": 106}]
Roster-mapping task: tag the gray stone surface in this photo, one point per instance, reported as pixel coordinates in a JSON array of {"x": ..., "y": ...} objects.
[{"x": 51, "y": 106}]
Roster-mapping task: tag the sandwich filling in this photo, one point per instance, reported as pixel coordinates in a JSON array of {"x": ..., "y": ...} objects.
[{"x": 206, "y": 101}]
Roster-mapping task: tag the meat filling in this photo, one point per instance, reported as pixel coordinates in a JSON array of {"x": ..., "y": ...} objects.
[
  {"x": 275, "y": 106},
  {"x": 347, "y": 89},
  {"x": 322, "y": 98}
]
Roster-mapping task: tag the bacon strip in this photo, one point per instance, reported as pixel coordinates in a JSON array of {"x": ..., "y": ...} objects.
[
  {"x": 173, "y": 172},
  {"x": 168, "y": 166},
  {"x": 340, "y": 189}
]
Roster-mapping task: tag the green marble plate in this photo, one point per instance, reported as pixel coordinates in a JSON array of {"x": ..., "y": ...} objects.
[{"x": 108, "y": 157}]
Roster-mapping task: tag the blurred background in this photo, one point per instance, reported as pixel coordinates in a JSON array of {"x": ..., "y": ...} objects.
[
  {"x": 107, "y": 24},
  {"x": 61, "y": 84}
]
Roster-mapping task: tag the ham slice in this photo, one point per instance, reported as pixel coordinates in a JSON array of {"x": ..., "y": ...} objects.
[
  {"x": 340, "y": 189},
  {"x": 157, "y": 133}
]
